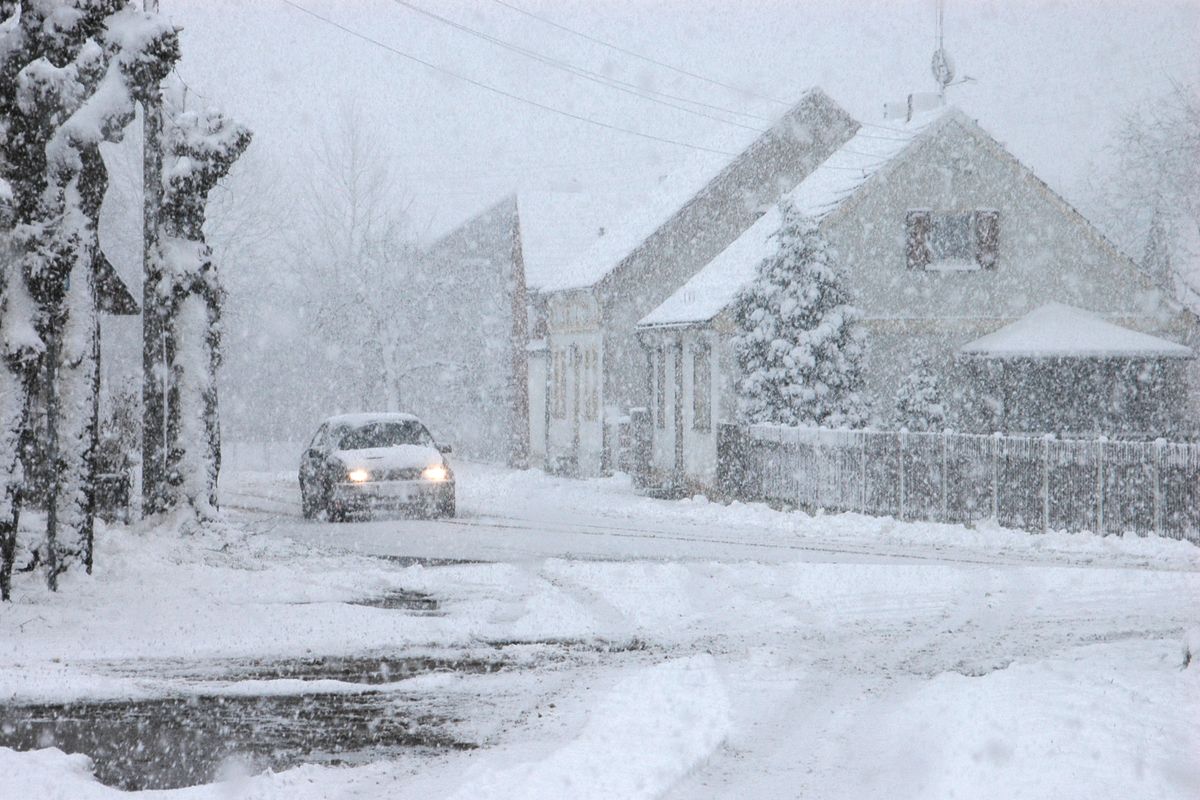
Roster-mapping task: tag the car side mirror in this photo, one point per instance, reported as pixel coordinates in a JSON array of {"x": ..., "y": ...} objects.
[{"x": 444, "y": 447}]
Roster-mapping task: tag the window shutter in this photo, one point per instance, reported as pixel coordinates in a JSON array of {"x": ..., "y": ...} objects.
[
  {"x": 918, "y": 224},
  {"x": 987, "y": 238}
]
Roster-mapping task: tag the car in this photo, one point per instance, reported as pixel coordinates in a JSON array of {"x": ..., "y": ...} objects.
[{"x": 358, "y": 463}]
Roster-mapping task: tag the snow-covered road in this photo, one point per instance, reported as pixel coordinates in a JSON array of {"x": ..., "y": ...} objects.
[
  {"x": 505, "y": 516},
  {"x": 658, "y": 649}
]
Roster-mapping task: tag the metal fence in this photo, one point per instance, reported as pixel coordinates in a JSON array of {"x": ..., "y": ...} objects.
[{"x": 1032, "y": 483}]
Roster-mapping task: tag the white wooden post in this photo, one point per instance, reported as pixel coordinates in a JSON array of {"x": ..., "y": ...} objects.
[
  {"x": 1100, "y": 485},
  {"x": 1046, "y": 481},
  {"x": 902, "y": 436},
  {"x": 1158, "y": 494},
  {"x": 945, "y": 481},
  {"x": 996, "y": 441},
  {"x": 862, "y": 469}
]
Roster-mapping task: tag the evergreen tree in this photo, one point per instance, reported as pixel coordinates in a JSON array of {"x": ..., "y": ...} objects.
[
  {"x": 919, "y": 405},
  {"x": 800, "y": 345},
  {"x": 200, "y": 148}
]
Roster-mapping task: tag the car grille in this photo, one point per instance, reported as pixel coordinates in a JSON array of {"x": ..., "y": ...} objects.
[{"x": 406, "y": 474}]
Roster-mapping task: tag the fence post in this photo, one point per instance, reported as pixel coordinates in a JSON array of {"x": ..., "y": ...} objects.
[
  {"x": 1100, "y": 485},
  {"x": 996, "y": 477},
  {"x": 945, "y": 478},
  {"x": 1158, "y": 493},
  {"x": 862, "y": 470},
  {"x": 1046, "y": 482},
  {"x": 902, "y": 436}
]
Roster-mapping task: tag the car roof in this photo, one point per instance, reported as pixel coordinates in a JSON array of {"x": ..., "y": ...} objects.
[{"x": 358, "y": 420}]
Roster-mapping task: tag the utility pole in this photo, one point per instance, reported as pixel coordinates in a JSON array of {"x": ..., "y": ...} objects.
[{"x": 154, "y": 371}]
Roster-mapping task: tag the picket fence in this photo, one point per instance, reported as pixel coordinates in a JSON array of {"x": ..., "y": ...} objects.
[{"x": 1032, "y": 483}]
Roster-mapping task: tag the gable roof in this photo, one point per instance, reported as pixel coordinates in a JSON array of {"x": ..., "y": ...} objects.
[
  {"x": 643, "y": 217},
  {"x": 839, "y": 177},
  {"x": 1057, "y": 330},
  {"x": 554, "y": 227}
]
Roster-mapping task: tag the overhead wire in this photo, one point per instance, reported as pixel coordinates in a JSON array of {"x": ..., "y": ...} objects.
[
  {"x": 502, "y": 92},
  {"x": 583, "y": 72},
  {"x": 640, "y": 56}
]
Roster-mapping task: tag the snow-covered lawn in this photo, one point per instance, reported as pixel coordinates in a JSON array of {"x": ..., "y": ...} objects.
[{"x": 778, "y": 655}]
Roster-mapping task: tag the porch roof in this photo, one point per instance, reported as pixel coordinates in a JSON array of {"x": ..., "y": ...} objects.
[{"x": 1057, "y": 330}]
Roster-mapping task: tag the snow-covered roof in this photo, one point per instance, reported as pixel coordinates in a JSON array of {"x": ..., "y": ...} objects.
[
  {"x": 715, "y": 286},
  {"x": 367, "y": 418},
  {"x": 1056, "y": 330},
  {"x": 555, "y": 228},
  {"x": 644, "y": 215}
]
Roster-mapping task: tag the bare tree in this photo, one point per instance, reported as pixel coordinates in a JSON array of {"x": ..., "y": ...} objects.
[
  {"x": 360, "y": 252},
  {"x": 1149, "y": 199}
]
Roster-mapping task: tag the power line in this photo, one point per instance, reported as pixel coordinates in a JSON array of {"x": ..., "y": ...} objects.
[
  {"x": 502, "y": 92},
  {"x": 583, "y": 71},
  {"x": 580, "y": 72},
  {"x": 647, "y": 59}
]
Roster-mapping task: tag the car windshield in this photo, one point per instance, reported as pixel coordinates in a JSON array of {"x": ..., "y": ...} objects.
[{"x": 382, "y": 434}]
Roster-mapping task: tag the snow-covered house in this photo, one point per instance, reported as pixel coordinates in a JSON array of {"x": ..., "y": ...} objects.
[
  {"x": 471, "y": 381},
  {"x": 943, "y": 237},
  {"x": 596, "y": 370}
]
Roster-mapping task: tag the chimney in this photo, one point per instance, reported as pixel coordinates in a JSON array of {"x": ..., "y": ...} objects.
[{"x": 917, "y": 103}]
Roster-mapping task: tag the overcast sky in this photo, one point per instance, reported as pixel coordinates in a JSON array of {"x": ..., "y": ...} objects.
[{"x": 1050, "y": 79}]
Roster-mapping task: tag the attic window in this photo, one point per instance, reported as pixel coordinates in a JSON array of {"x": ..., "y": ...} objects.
[{"x": 952, "y": 241}]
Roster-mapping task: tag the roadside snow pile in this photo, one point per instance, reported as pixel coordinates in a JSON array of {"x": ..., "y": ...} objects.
[
  {"x": 651, "y": 728},
  {"x": 1116, "y": 720}
]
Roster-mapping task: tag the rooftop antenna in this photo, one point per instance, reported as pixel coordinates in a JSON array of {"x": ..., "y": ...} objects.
[{"x": 941, "y": 66}]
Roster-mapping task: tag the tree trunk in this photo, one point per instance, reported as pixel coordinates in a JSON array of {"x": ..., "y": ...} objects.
[
  {"x": 212, "y": 416},
  {"x": 154, "y": 353}
]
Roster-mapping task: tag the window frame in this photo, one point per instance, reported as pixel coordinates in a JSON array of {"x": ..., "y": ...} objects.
[{"x": 980, "y": 240}]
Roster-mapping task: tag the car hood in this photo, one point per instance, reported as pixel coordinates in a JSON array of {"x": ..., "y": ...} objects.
[{"x": 403, "y": 456}]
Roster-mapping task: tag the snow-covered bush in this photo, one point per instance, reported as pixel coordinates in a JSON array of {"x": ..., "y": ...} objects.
[
  {"x": 918, "y": 401},
  {"x": 800, "y": 344}
]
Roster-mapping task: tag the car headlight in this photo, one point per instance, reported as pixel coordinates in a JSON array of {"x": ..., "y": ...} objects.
[
  {"x": 359, "y": 475},
  {"x": 435, "y": 472}
]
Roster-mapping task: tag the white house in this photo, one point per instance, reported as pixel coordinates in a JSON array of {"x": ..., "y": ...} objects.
[
  {"x": 482, "y": 346},
  {"x": 595, "y": 368},
  {"x": 943, "y": 237}
]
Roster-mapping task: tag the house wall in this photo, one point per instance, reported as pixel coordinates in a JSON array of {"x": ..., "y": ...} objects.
[
  {"x": 663, "y": 348},
  {"x": 699, "y": 446},
  {"x": 538, "y": 409},
  {"x": 470, "y": 385},
  {"x": 1046, "y": 252},
  {"x": 575, "y": 340}
]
